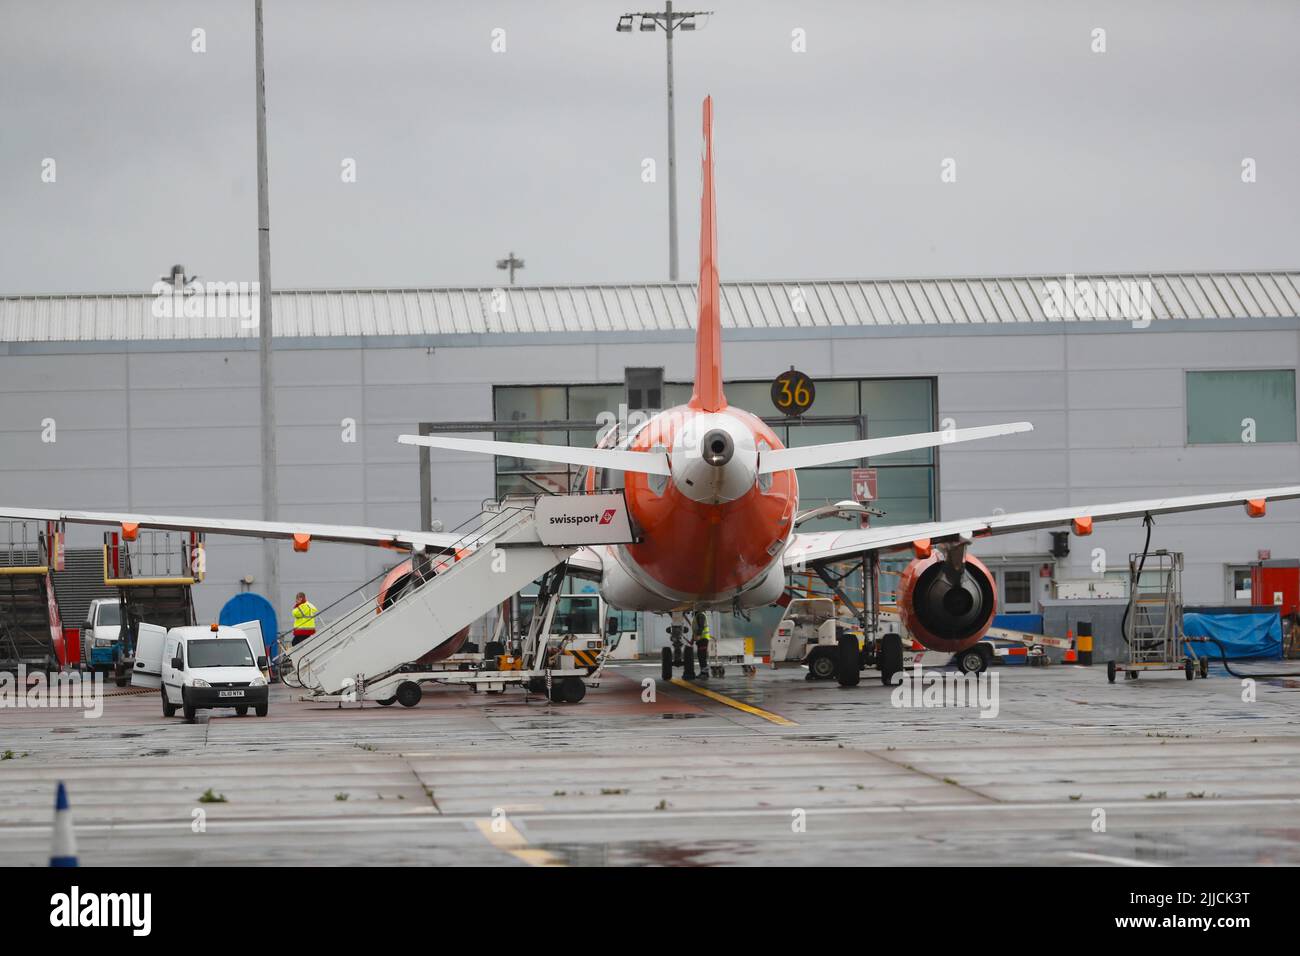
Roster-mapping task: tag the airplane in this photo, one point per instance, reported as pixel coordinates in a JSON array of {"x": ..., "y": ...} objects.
[{"x": 715, "y": 497}]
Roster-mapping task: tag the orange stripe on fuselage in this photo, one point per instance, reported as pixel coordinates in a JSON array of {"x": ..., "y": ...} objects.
[{"x": 703, "y": 549}]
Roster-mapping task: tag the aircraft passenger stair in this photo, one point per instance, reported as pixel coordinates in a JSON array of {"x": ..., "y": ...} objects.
[
  {"x": 31, "y": 632},
  {"x": 444, "y": 594}
]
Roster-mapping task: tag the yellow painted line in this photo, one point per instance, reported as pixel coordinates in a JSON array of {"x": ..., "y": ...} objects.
[
  {"x": 501, "y": 833},
  {"x": 747, "y": 708}
]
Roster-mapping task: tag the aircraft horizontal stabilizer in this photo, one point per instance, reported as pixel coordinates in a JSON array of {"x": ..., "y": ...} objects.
[
  {"x": 783, "y": 459},
  {"x": 649, "y": 463}
]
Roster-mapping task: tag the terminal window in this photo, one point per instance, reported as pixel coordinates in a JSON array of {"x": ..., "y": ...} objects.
[
  {"x": 891, "y": 406},
  {"x": 1241, "y": 406}
]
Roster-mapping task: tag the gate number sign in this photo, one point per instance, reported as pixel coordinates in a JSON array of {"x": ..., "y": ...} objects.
[{"x": 793, "y": 393}]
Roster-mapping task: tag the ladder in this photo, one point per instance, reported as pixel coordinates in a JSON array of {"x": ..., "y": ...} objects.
[
  {"x": 444, "y": 595},
  {"x": 1154, "y": 628}
]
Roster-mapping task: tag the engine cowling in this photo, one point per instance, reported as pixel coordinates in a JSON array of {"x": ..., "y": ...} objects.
[{"x": 943, "y": 610}]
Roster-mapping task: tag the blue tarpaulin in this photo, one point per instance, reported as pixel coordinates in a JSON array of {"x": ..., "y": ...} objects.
[
  {"x": 1029, "y": 623},
  {"x": 1242, "y": 635}
]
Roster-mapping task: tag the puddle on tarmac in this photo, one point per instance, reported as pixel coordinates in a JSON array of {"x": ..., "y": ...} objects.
[{"x": 645, "y": 853}]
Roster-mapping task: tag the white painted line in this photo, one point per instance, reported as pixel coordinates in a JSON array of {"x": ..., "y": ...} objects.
[
  {"x": 1117, "y": 860},
  {"x": 596, "y": 816}
]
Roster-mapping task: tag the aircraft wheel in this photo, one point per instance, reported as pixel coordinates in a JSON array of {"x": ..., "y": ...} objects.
[
  {"x": 409, "y": 693},
  {"x": 1110, "y": 671},
  {"x": 667, "y": 670},
  {"x": 688, "y": 663},
  {"x": 169, "y": 709},
  {"x": 891, "y": 658},
  {"x": 846, "y": 664}
]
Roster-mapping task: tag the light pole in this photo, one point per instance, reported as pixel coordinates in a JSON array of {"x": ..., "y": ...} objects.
[
  {"x": 510, "y": 263},
  {"x": 270, "y": 489},
  {"x": 670, "y": 23}
]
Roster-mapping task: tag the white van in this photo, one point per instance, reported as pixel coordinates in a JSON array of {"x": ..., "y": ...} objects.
[
  {"x": 100, "y": 633},
  {"x": 199, "y": 668}
]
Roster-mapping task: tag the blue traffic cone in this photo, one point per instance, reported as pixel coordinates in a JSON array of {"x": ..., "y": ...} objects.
[{"x": 64, "y": 851}]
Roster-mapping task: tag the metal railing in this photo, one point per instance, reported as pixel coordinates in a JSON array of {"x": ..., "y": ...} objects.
[
  {"x": 424, "y": 568},
  {"x": 22, "y": 545}
]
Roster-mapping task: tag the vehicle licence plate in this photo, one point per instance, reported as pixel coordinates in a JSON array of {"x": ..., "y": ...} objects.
[{"x": 230, "y": 693}]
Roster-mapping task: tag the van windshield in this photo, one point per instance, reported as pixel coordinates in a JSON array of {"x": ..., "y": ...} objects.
[
  {"x": 219, "y": 653},
  {"x": 109, "y": 615}
]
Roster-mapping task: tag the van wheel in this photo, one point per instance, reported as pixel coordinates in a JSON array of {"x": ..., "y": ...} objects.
[
  {"x": 169, "y": 709},
  {"x": 241, "y": 711},
  {"x": 189, "y": 709},
  {"x": 261, "y": 709}
]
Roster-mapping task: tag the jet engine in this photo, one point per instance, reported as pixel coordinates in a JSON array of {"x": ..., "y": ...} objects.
[{"x": 947, "y": 601}]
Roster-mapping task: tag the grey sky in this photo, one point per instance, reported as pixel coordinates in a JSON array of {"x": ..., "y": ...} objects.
[{"x": 828, "y": 161}]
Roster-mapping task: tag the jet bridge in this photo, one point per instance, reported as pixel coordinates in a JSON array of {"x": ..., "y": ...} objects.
[{"x": 366, "y": 651}]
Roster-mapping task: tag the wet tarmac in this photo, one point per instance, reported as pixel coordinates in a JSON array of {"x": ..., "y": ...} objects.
[{"x": 1071, "y": 771}]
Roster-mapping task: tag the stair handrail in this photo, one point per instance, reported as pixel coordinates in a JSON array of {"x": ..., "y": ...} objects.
[{"x": 354, "y": 619}]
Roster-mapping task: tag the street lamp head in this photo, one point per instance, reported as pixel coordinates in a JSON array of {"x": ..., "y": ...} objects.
[
  {"x": 648, "y": 25},
  {"x": 624, "y": 24},
  {"x": 686, "y": 25}
]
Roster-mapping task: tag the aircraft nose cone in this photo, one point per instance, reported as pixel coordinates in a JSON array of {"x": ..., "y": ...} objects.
[{"x": 717, "y": 447}]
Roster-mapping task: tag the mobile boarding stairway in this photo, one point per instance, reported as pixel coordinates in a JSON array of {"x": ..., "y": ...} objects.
[{"x": 366, "y": 653}]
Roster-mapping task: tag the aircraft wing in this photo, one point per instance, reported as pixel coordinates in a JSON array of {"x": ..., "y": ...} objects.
[
  {"x": 383, "y": 537},
  {"x": 818, "y": 547},
  {"x": 585, "y": 562}
]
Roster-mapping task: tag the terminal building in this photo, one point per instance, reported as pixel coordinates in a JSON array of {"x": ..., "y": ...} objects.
[{"x": 106, "y": 405}]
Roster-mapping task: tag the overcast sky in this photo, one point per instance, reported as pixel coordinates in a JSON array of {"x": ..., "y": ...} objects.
[{"x": 829, "y": 160}]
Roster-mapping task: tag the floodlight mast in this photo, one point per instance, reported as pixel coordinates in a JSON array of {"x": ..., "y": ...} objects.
[{"x": 670, "y": 22}]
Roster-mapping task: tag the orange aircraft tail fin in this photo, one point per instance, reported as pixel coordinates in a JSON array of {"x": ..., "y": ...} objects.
[{"x": 708, "y": 394}]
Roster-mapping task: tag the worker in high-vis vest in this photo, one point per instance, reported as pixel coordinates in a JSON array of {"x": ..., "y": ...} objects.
[
  {"x": 702, "y": 638},
  {"x": 304, "y": 618}
]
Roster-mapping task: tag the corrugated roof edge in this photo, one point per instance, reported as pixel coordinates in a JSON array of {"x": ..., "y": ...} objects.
[{"x": 483, "y": 310}]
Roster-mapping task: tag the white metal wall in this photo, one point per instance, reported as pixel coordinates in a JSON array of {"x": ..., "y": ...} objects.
[{"x": 175, "y": 431}]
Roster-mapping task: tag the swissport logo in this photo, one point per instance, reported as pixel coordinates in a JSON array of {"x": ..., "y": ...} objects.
[{"x": 605, "y": 518}]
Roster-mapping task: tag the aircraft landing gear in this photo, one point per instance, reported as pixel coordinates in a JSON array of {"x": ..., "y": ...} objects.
[{"x": 667, "y": 670}]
